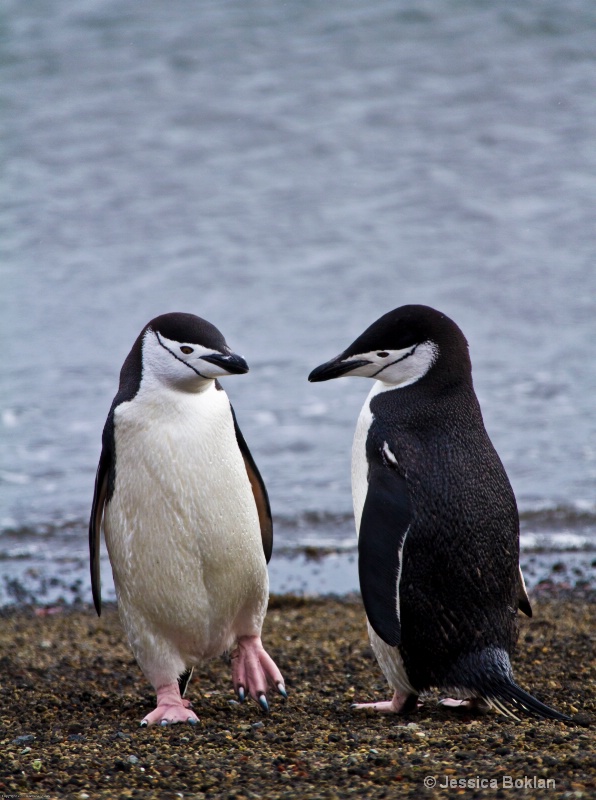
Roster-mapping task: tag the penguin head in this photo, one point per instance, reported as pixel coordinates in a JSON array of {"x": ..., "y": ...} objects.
[
  {"x": 184, "y": 352},
  {"x": 401, "y": 347}
]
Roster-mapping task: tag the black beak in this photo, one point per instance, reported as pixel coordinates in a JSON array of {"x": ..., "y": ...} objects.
[
  {"x": 232, "y": 363},
  {"x": 334, "y": 369}
]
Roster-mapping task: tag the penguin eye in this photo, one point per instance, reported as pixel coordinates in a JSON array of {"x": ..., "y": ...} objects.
[
  {"x": 186, "y": 350},
  {"x": 383, "y": 354}
]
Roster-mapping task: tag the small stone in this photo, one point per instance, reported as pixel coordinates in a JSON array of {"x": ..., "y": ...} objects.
[
  {"x": 28, "y": 737},
  {"x": 583, "y": 718},
  {"x": 133, "y": 759}
]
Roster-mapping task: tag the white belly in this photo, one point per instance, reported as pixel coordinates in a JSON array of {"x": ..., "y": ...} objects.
[
  {"x": 359, "y": 462},
  {"x": 182, "y": 528},
  {"x": 388, "y": 657}
]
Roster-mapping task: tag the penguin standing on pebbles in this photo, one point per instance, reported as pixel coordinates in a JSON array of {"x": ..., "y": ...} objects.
[
  {"x": 437, "y": 521},
  {"x": 186, "y": 516}
]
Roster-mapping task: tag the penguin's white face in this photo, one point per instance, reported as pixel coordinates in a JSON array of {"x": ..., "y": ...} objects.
[
  {"x": 186, "y": 366},
  {"x": 393, "y": 367}
]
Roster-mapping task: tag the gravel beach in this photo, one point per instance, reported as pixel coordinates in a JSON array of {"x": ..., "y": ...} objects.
[{"x": 73, "y": 696}]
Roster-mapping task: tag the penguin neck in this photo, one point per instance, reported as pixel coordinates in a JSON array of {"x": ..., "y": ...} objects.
[
  {"x": 155, "y": 385},
  {"x": 379, "y": 387},
  {"x": 443, "y": 380},
  {"x": 420, "y": 405}
]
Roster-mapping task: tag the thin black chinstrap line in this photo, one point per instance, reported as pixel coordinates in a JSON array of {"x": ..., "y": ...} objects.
[
  {"x": 397, "y": 360},
  {"x": 181, "y": 360}
]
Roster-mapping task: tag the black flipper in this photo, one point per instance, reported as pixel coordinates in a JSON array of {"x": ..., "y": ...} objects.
[
  {"x": 385, "y": 520},
  {"x": 99, "y": 499},
  {"x": 259, "y": 491},
  {"x": 130, "y": 381},
  {"x": 184, "y": 680}
]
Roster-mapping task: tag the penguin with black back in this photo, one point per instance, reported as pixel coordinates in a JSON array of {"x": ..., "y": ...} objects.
[
  {"x": 186, "y": 517},
  {"x": 437, "y": 520}
]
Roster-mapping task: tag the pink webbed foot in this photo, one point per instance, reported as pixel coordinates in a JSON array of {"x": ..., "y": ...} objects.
[
  {"x": 400, "y": 703},
  {"x": 475, "y": 704},
  {"x": 253, "y": 669},
  {"x": 170, "y": 708}
]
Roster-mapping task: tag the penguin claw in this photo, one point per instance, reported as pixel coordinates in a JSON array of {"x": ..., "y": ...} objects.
[
  {"x": 253, "y": 670},
  {"x": 171, "y": 708},
  {"x": 192, "y": 720},
  {"x": 400, "y": 703},
  {"x": 472, "y": 704},
  {"x": 263, "y": 703},
  {"x": 143, "y": 723}
]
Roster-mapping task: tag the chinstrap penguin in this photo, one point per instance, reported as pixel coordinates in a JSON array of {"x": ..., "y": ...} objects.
[
  {"x": 186, "y": 516},
  {"x": 437, "y": 521}
]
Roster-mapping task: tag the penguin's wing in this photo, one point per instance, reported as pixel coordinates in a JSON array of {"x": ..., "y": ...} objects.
[
  {"x": 259, "y": 491},
  {"x": 99, "y": 499},
  {"x": 386, "y": 517},
  {"x": 523, "y": 601}
]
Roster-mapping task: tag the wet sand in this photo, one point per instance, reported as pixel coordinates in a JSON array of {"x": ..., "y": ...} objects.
[{"x": 73, "y": 696}]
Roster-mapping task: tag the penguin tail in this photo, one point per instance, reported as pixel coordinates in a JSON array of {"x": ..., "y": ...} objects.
[
  {"x": 509, "y": 697},
  {"x": 488, "y": 674}
]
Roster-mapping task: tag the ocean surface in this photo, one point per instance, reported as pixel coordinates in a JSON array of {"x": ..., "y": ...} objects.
[{"x": 290, "y": 171}]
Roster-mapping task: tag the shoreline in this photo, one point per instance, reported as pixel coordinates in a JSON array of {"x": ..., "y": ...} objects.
[
  {"x": 305, "y": 571},
  {"x": 73, "y": 697}
]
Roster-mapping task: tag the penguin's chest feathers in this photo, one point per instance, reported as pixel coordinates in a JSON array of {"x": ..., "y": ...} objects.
[
  {"x": 360, "y": 463},
  {"x": 182, "y": 500}
]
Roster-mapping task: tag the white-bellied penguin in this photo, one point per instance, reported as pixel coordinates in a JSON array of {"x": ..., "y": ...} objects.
[
  {"x": 186, "y": 516},
  {"x": 437, "y": 521}
]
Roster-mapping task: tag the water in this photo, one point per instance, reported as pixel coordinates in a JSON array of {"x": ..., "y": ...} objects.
[{"x": 290, "y": 171}]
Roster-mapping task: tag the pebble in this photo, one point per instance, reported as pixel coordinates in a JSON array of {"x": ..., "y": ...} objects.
[{"x": 28, "y": 737}]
